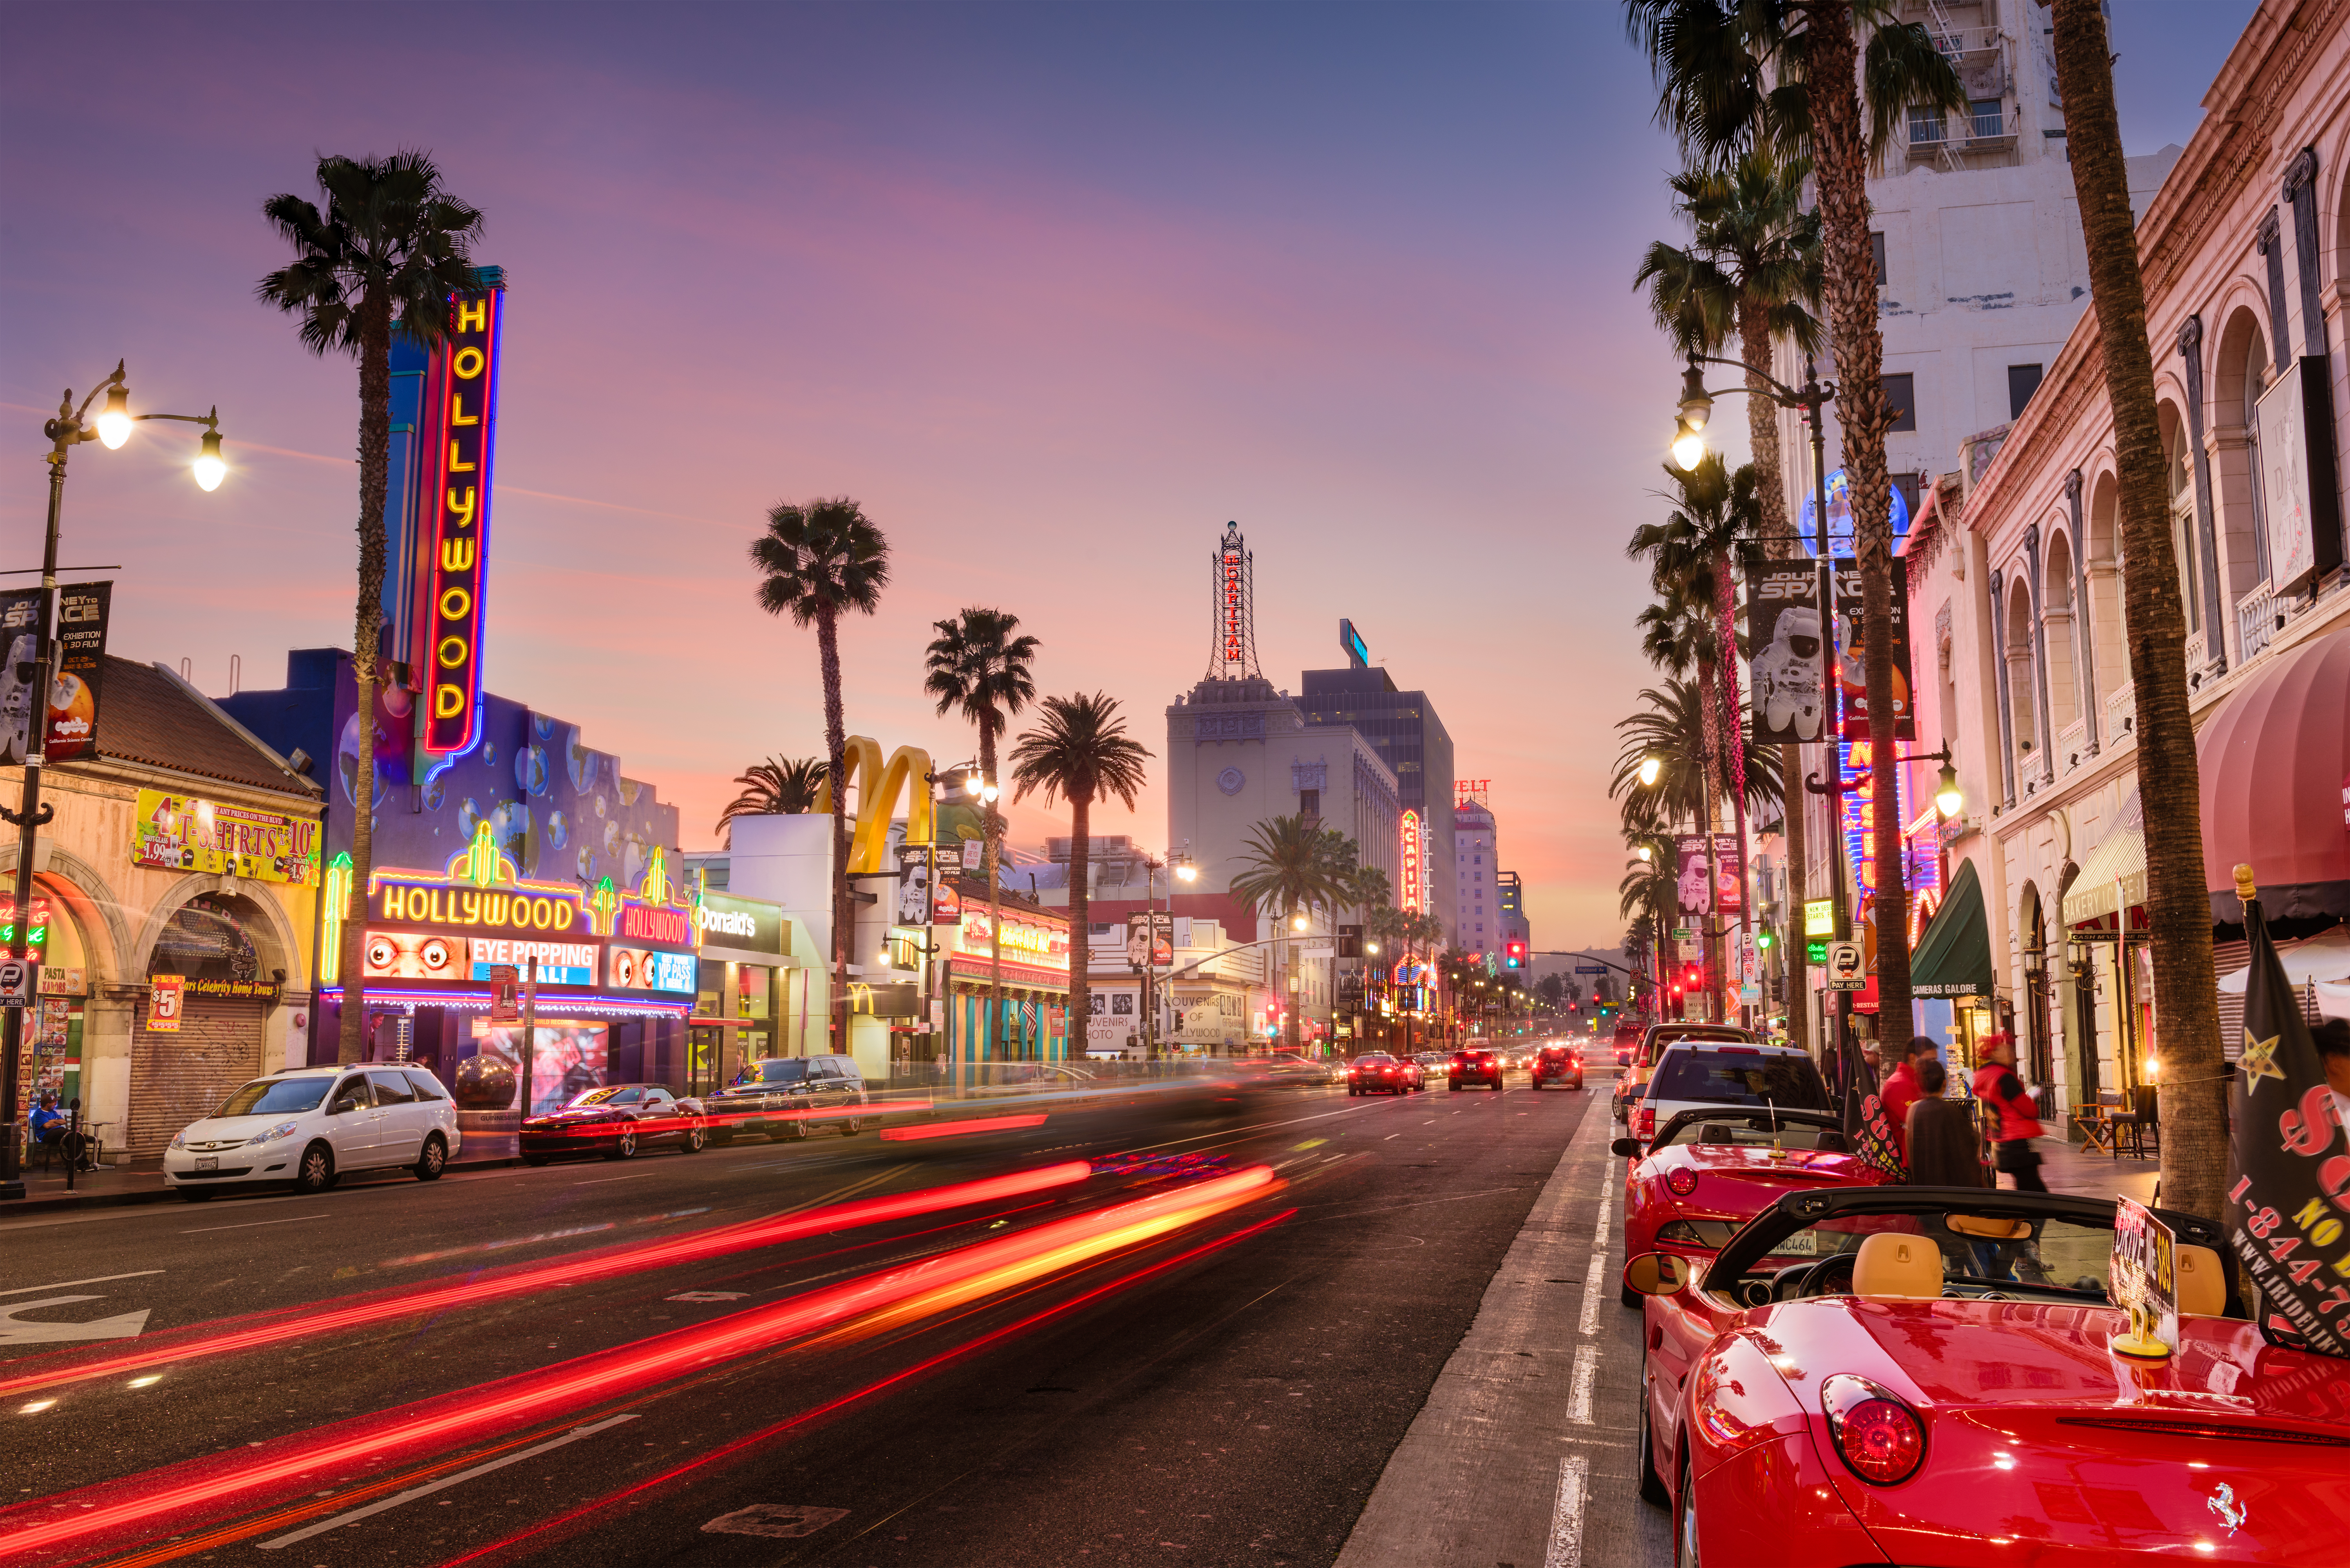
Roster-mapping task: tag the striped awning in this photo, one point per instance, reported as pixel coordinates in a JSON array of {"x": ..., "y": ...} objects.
[{"x": 2112, "y": 878}]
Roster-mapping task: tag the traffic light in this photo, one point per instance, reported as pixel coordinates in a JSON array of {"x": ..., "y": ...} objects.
[
  {"x": 1517, "y": 956},
  {"x": 1762, "y": 939},
  {"x": 1350, "y": 942},
  {"x": 1691, "y": 978}
]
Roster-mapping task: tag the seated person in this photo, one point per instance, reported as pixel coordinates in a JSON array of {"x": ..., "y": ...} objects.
[{"x": 48, "y": 1123}]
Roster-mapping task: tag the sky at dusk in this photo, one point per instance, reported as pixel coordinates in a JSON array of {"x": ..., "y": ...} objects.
[{"x": 1054, "y": 291}]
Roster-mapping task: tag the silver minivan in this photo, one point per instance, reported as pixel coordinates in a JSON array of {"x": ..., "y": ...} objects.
[{"x": 307, "y": 1126}]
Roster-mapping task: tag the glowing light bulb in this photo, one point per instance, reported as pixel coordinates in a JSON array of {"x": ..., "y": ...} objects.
[
  {"x": 114, "y": 424},
  {"x": 1650, "y": 766},
  {"x": 211, "y": 467},
  {"x": 1689, "y": 449}
]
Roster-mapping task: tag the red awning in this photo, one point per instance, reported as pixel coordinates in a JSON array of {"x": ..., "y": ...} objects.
[{"x": 2276, "y": 765}]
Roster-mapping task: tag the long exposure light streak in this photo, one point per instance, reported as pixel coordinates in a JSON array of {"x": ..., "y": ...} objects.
[
  {"x": 956, "y": 1129},
  {"x": 604, "y": 1265},
  {"x": 807, "y": 1417},
  {"x": 568, "y": 1387}
]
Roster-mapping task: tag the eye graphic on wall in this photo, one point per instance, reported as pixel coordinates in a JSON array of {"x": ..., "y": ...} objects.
[
  {"x": 435, "y": 955},
  {"x": 380, "y": 954},
  {"x": 411, "y": 955},
  {"x": 629, "y": 967}
]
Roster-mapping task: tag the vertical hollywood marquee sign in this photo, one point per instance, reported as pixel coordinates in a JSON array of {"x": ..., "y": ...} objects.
[
  {"x": 1414, "y": 884},
  {"x": 466, "y": 378}
]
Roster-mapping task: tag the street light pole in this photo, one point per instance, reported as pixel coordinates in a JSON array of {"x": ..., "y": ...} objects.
[{"x": 112, "y": 427}]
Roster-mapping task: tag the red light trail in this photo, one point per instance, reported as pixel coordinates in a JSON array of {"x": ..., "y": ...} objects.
[
  {"x": 663, "y": 1254},
  {"x": 929, "y": 1284},
  {"x": 956, "y": 1129}
]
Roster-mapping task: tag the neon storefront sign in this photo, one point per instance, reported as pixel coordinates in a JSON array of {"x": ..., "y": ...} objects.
[
  {"x": 1415, "y": 879},
  {"x": 461, "y": 414},
  {"x": 1024, "y": 942}
]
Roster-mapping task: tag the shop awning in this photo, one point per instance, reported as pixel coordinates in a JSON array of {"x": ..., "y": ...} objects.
[
  {"x": 2273, "y": 760},
  {"x": 2112, "y": 878},
  {"x": 1953, "y": 956}
]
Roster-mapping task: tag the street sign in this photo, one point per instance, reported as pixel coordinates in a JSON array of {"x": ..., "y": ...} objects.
[
  {"x": 1819, "y": 917},
  {"x": 506, "y": 994},
  {"x": 1845, "y": 972},
  {"x": 16, "y": 981},
  {"x": 1591, "y": 968},
  {"x": 1683, "y": 934},
  {"x": 1815, "y": 952}
]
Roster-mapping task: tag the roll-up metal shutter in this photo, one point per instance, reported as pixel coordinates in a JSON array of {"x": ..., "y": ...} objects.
[{"x": 179, "y": 1079}]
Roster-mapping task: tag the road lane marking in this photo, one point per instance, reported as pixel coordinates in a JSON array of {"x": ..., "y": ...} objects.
[
  {"x": 1390, "y": 1137},
  {"x": 208, "y": 1229},
  {"x": 632, "y": 1176},
  {"x": 1578, "y": 1401},
  {"x": 1606, "y": 1197},
  {"x": 93, "y": 1280},
  {"x": 412, "y": 1493},
  {"x": 1593, "y": 1291},
  {"x": 1566, "y": 1514},
  {"x": 15, "y": 1331}
]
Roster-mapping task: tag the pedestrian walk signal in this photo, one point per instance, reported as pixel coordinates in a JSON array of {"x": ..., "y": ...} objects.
[{"x": 1516, "y": 958}]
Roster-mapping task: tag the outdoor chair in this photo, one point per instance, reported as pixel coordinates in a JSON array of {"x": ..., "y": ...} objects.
[{"x": 2138, "y": 1123}]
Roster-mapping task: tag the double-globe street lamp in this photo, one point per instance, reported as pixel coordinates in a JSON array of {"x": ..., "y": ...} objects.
[{"x": 38, "y": 675}]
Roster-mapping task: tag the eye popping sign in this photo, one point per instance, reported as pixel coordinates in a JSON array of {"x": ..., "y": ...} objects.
[
  {"x": 2288, "y": 1162},
  {"x": 464, "y": 372}
]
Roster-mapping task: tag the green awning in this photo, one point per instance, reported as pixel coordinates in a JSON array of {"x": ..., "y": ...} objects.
[{"x": 1953, "y": 956}]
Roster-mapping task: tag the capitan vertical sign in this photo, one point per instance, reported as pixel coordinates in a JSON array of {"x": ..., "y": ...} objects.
[
  {"x": 449, "y": 658},
  {"x": 1415, "y": 880}
]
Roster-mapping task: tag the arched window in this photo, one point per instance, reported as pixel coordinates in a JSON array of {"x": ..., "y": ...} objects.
[
  {"x": 2256, "y": 381},
  {"x": 2182, "y": 525},
  {"x": 2057, "y": 611}
]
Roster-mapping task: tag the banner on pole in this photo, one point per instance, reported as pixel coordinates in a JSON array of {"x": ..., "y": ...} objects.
[
  {"x": 1696, "y": 878},
  {"x": 1852, "y": 644},
  {"x": 1783, "y": 627}
]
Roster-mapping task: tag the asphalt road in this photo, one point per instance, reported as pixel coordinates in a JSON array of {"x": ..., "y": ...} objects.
[{"x": 1213, "y": 1348}]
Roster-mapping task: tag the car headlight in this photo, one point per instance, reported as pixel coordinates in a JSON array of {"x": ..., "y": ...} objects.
[
  {"x": 180, "y": 1138},
  {"x": 283, "y": 1130}
]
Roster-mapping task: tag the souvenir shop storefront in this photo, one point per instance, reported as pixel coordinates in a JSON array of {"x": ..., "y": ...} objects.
[
  {"x": 1032, "y": 1024},
  {"x": 603, "y": 981}
]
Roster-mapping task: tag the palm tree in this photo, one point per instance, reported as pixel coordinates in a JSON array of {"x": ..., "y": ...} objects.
[
  {"x": 1293, "y": 867},
  {"x": 816, "y": 562},
  {"x": 976, "y": 664},
  {"x": 1786, "y": 75},
  {"x": 1080, "y": 751},
  {"x": 2178, "y": 910},
  {"x": 780, "y": 786},
  {"x": 383, "y": 258}
]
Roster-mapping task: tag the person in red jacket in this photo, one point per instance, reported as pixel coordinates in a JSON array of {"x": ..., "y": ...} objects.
[
  {"x": 1902, "y": 1090},
  {"x": 2003, "y": 1093}
]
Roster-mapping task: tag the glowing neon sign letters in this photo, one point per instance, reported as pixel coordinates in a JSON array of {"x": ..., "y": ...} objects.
[{"x": 465, "y": 377}]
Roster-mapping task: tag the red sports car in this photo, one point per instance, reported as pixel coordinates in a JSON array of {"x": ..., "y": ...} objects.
[
  {"x": 1923, "y": 1375},
  {"x": 1711, "y": 1170}
]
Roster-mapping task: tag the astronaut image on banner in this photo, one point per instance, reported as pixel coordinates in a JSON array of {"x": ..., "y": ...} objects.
[
  {"x": 1696, "y": 878},
  {"x": 1787, "y": 675}
]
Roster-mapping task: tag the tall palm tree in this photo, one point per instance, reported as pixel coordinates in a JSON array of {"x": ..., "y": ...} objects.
[
  {"x": 1788, "y": 76},
  {"x": 976, "y": 664},
  {"x": 2178, "y": 910},
  {"x": 383, "y": 258},
  {"x": 779, "y": 786},
  {"x": 1082, "y": 751},
  {"x": 818, "y": 561},
  {"x": 1291, "y": 867}
]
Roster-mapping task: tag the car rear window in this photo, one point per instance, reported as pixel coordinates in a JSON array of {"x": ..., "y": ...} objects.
[
  {"x": 783, "y": 1070},
  {"x": 1739, "y": 1079}
]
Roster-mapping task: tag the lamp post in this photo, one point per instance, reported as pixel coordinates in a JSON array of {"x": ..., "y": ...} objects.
[{"x": 111, "y": 428}]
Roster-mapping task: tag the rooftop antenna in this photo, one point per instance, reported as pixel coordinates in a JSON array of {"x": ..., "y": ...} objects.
[{"x": 1233, "y": 649}]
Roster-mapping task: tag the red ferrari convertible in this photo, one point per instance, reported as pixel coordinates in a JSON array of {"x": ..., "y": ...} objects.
[
  {"x": 1923, "y": 1375},
  {"x": 1711, "y": 1170}
]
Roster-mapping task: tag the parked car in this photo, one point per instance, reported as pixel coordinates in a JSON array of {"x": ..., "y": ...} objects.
[
  {"x": 310, "y": 1126},
  {"x": 1711, "y": 1169},
  {"x": 1473, "y": 1067},
  {"x": 1634, "y": 1079},
  {"x": 789, "y": 1096},
  {"x": 1376, "y": 1073},
  {"x": 1556, "y": 1064},
  {"x": 1932, "y": 1370},
  {"x": 1698, "y": 1073},
  {"x": 616, "y": 1121}
]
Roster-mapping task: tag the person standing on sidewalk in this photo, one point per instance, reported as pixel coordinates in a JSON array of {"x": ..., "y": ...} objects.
[
  {"x": 2002, "y": 1093},
  {"x": 1939, "y": 1134},
  {"x": 1902, "y": 1089}
]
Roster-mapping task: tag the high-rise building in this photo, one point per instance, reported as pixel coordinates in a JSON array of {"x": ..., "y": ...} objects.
[
  {"x": 1476, "y": 874},
  {"x": 1402, "y": 730}
]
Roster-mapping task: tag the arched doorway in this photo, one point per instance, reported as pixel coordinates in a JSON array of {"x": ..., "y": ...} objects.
[
  {"x": 2039, "y": 1051},
  {"x": 219, "y": 944}
]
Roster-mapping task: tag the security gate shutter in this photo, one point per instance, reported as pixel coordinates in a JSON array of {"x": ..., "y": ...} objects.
[{"x": 179, "y": 1079}]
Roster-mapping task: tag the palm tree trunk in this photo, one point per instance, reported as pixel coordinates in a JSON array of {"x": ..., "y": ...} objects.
[
  {"x": 1842, "y": 164},
  {"x": 992, "y": 834},
  {"x": 2178, "y": 910},
  {"x": 375, "y": 466},
  {"x": 1733, "y": 735},
  {"x": 1081, "y": 947},
  {"x": 835, "y": 745},
  {"x": 1761, "y": 414},
  {"x": 1792, "y": 962}
]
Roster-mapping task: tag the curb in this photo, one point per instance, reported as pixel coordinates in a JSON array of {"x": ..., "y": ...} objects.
[{"x": 63, "y": 1202}]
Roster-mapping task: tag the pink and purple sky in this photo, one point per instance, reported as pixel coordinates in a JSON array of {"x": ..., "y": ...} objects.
[{"x": 1054, "y": 291}]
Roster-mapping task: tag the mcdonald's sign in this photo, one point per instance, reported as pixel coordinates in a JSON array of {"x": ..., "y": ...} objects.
[{"x": 908, "y": 773}]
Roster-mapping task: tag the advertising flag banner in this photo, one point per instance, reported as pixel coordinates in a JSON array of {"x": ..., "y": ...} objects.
[
  {"x": 82, "y": 660},
  {"x": 163, "y": 993},
  {"x": 20, "y": 638},
  {"x": 1726, "y": 896},
  {"x": 946, "y": 903},
  {"x": 1696, "y": 878},
  {"x": 189, "y": 832},
  {"x": 1852, "y": 639},
  {"x": 1783, "y": 627},
  {"x": 2288, "y": 1160}
]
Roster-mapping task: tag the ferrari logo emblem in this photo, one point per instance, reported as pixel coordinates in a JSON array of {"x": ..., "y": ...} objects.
[
  {"x": 2223, "y": 1501},
  {"x": 2260, "y": 1062}
]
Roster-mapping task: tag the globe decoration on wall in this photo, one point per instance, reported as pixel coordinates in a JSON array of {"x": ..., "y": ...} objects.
[
  {"x": 1230, "y": 780},
  {"x": 1840, "y": 538}
]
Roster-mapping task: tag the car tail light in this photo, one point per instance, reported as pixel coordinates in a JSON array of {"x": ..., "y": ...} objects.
[
  {"x": 1682, "y": 1181},
  {"x": 1644, "y": 1122},
  {"x": 1880, "y": 1438}
]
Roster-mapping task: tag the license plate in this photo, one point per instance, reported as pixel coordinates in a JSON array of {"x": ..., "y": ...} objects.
[
  {"x": 1801, "y": 1244},
  {"x": 207, "y": 1162}
]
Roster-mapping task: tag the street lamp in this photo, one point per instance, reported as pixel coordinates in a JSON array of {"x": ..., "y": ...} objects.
[
  {"x": 111, "y": 428},
  {"x": 1948, "y": 799},
  {"x": 1650, "y": 766}
]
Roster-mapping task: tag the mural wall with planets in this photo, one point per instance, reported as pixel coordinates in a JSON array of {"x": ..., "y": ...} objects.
[{"x": 559, "y": 807}]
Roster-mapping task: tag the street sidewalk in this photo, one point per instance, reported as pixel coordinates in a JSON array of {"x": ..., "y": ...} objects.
[
  {"x": 2066, "y": 1169},
  {"x": 141, "y": 1181}
]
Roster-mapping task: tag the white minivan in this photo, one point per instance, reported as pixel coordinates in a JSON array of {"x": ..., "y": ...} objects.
[{"x": 307, "y": 1126}]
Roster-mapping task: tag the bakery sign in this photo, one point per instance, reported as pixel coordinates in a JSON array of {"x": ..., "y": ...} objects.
[{"x": 1025, "y": 942}]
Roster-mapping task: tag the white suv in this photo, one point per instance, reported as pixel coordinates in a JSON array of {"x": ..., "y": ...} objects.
[
  {"x": 307, "y": 1126},
  {"x": 1700, "y": 1072}
]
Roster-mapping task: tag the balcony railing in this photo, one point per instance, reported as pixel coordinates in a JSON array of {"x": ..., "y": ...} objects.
[
  {"x": 2072, "y": 747},
  {"x": 2259, "y": 616},
  {"x": 2121, "y": 715}
]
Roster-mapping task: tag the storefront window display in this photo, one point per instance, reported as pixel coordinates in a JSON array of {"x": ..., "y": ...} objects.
[{"x": 570, "y": 1057}]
